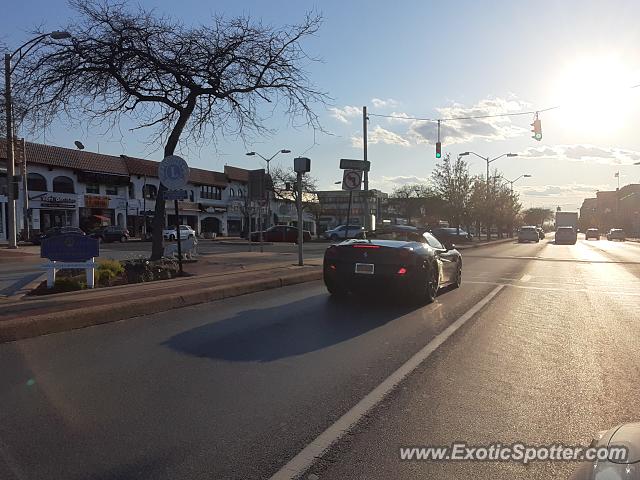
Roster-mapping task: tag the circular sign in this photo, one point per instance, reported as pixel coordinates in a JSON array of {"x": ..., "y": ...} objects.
[
  {"x": 173, "y": 172},
  {"x": 352, "y": 180}
]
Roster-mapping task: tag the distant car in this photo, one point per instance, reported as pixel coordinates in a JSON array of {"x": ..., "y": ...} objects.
[
  {"x": 566, "y": 236},
  {"x": 414, "y": 268},
  {"x": 55, "y": 231},
  {"x": 540, "y": 232},
  {"x": 528, "y": 234},
  {"x": 404, "y": 233},
  {"x": 341, "y": 232},
  {"x": 280, "y": 233},
  {"x": 592, "y": 233},
  {"x": 112, "y": 233},
  {"x": 616, "y": 234},
  {"x": 451, "y": 235},
  {"x": 185, "y": 232}
]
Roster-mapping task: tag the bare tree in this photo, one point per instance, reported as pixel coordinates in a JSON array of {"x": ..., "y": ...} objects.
[
  {"x": 284, "y": 186},
  {"x": 410, "y": 200},
  {"x": 181, "y": 82}
]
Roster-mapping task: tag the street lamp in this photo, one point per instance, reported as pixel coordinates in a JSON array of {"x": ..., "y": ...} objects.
[
  {"x": 526, "y": 175},
  {"x": 268, "y": 160},
  {"x": 11, "y": 166},
  {"x": 489, "y": 162}
]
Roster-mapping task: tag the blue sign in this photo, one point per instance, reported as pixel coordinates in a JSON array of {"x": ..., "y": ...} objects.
[{"x": 70, "y": 247}]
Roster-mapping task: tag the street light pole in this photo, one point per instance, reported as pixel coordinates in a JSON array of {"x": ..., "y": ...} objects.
[
  {"x": 11, "y": 165},
  {"x": 268, "y": 160},
  {"x": 489, "y": 162}
]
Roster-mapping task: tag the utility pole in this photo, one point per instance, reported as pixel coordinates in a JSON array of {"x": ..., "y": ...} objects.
[
  {"x": 25, "y": 191},
  {"x": 11, "y": 166},
  {"x": 367, "y": 213}
]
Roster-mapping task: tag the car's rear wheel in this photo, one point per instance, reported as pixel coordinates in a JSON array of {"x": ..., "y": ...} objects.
[
  {"x": 123, "y": 238},
  {"x": 458, "y": 280},
  {"x": 335, "y": 289},
  {"x": 426, "y": 290},
  {"x": 172, "y": 237}
]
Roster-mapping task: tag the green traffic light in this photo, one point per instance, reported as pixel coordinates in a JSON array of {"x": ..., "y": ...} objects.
[{"x": 438, "y": 155}]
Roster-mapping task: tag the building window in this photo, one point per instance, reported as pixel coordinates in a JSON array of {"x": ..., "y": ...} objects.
[
  {"x": 93, "y": 188},
  {"x": 232, "y": 192},
  {"x": 36, "y": 183},
  {"x": 150, "y": 192},
  {"x": 132, "y": 190},
  {"x": 111, "y": 190},
  {"x": 240, "y": 193},
  {"x": 192, "y": 195},
  {"x": 210, "y": 193},
  {"x": 63, "y": 185}
]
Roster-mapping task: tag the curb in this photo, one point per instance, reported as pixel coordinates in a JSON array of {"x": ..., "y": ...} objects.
[{"x": 34, "y": 326}]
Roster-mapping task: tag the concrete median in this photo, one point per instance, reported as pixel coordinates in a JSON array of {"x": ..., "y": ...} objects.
[{"x": 28, "y": 326}]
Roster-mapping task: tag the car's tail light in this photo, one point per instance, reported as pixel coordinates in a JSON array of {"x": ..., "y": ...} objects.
[
  {"x": 332, "y": 266},
  {"x": 401, "y": 271}
]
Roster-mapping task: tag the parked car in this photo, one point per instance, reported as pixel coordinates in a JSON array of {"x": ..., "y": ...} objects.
[
  {"x": 616, "y": 234},
  {"x": 55, "y": 231},
  {"x": 111, "y": 233},
  {"x": 451, "y": 235},
  {"x": 566, "y": 236},
  {"x": 342, "y": 232},
  {"x": 280, "y": 233},
  {"x": 404, "y": 233},
  {"x": 185, "y": 232},
  {"x": 592, "y": 233},
  {"x": 414, "y": 269},
  {"x": 528, "y": 234}
]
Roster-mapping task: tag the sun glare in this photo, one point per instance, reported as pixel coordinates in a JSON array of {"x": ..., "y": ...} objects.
[{"x": 594, "y": 94}]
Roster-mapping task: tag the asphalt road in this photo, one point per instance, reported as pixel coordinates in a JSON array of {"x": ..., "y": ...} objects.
[{"x": 235, "y": 389}]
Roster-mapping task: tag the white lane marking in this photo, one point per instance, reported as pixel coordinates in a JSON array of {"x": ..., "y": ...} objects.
[
  {"x": 550, "y": 289},
  {"x": 526, "y": 278},
  {"x": 299, "y": 464}
]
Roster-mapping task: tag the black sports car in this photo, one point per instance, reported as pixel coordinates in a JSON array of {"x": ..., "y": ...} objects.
[{"x": 415, "y": 266}]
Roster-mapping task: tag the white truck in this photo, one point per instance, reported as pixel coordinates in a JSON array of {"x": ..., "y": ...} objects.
[{"x": 566, "y": 227}]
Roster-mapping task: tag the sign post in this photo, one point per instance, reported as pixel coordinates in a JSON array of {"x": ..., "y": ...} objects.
[
  {"x": 301, "y": 165},
  {"x": 351, "y": 180},
  {"x": 173, "y": 172}
]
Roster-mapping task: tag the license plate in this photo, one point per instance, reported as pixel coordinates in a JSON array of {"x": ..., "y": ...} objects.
[{"x": 366, "y": 268}]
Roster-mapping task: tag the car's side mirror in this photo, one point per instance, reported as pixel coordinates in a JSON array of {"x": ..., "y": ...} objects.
[{"x": 449, "y": 245}]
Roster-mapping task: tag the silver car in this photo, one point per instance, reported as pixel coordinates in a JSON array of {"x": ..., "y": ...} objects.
[
  {"x": 342, "y": 231},
  {"x": 528, "y": 234}
]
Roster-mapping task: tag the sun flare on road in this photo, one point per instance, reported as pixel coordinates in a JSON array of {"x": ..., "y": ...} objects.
[{"x": 594, "y": 94}]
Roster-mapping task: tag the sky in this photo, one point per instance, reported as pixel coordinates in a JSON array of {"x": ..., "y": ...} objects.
[{"x": 428, "y": 59}]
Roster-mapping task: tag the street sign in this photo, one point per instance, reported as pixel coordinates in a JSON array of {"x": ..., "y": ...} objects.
[
  {"x": 175, "y": 195},
  {"x": 173, "y": 172},
  {"x": 349, "y": 164},
  {"x": 257, "y": 184},
  {"x": 352, "y": 180}
]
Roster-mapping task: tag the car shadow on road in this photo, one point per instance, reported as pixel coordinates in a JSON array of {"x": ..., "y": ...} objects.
[{"x": 287, "y": 330}]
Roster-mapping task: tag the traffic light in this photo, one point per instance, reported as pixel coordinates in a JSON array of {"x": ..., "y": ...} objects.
[
  {"x": 438, "y": 150},
  {"x": 537, "y": 129}
]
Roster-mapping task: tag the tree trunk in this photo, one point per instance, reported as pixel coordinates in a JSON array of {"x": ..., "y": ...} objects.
[{"x": 157, "y": 248}]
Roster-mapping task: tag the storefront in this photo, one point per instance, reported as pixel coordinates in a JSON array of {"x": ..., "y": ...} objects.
[
  {"x": 212, "y": 219},
  {"x": 96, "y": 213},
  {"x": 234, "y": 219},
  {"x": 49, "y": 210},
  {"x": 188, "y": 212}
]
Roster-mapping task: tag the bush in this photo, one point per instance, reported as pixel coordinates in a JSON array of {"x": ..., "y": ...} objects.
[
  {"x": 143, "y": 270},
  {"x": 68, "y": 284},
  {"x": 108, "y": 271}
]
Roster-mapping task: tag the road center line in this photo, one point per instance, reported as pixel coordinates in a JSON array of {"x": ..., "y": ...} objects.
[{"x": 299, "y": 464}]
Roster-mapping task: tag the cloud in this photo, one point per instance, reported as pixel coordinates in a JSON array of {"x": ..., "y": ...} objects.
[
  {"x": 389, "y": 184},
  {"x": 380, "y": 135},
  {"x": 571, "y": 191},
  {"x": 345, "y": 114},
  {"x": 469, "y": 129},
  {"x": 584, "y": 153},
  {"x": 388, "y": 103}
]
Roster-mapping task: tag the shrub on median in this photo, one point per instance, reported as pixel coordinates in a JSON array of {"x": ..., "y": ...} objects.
[
  {"x": 143, "y": 270},
  {"x": 108, "y": 271}
]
